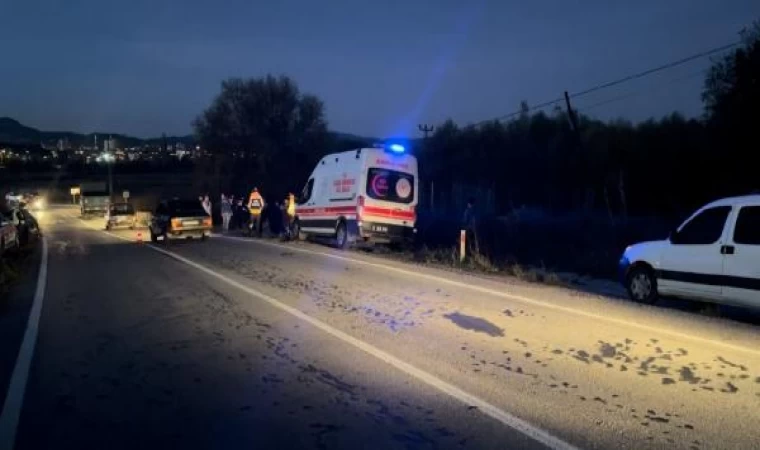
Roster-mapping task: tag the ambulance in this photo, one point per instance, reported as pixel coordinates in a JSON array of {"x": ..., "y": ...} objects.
[{"x": 362, "y": 196}]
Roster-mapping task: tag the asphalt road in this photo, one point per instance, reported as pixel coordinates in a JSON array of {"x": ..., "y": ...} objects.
[{"x": 248, "y": 343}]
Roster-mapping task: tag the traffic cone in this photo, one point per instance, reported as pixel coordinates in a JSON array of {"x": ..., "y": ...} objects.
[{"x": 139, "y": 237}]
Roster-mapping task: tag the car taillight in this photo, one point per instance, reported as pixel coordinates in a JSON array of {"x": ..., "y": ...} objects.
[
  {"x": 207, "y": 222},
  {"x": 360, "y": 208},
  {"x": 176, "y": 223}
]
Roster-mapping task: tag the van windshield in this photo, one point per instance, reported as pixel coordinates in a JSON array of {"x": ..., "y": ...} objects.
[{"x": 390, "y": 185}]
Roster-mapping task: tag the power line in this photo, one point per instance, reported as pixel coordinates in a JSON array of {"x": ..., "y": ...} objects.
[
  {"x": 626, "y": 79},
  {"x": 635, "y": 93}
]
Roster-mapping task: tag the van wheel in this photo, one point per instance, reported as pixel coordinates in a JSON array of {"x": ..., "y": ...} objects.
[
  {"x": 642, "y": 285},
  {"x": 341, "y": 236}
]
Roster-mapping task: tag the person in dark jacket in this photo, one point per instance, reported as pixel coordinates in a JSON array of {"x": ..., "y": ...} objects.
[
  {"x": 274, "y": 217},
  {"x": 469, "y": 225}
]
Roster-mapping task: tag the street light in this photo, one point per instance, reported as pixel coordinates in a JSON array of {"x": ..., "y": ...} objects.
[{"x": 109, "y": 159}]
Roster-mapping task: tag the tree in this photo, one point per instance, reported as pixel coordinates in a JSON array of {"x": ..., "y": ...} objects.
[
  {"x": 262, "y": 132},
  {"x": 732, "y": 86},
  {"x": 732, "y": 101}
]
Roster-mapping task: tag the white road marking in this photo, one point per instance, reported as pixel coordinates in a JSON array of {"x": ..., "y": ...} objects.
[
  {"x": 516, "y": 297},
  {"x": 17, "y": 386},
  {"x": 513, "y": 422}
]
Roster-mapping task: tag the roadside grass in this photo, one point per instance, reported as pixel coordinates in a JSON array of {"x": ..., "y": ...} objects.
[
  {"x": 477, "y": 261},
  {"x": 540, "y": 248},
  {"x": 9, "y": 274},
  {"x": 12, "y": 265}
]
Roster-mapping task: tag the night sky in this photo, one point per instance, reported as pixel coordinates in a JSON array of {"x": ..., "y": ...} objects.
[{"x": 381, "y": 67}]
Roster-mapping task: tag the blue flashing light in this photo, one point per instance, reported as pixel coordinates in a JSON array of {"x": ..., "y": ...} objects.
[{"x": 396, "y": 148}]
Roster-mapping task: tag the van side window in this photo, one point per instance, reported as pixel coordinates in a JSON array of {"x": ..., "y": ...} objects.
[
  {"x": 747, "y": 229},
  {"x": 704, "y": 228},
  {"x": 307, "y": 191}
]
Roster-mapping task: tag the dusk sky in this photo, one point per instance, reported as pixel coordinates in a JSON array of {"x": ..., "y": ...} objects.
[{"x": 144, "y": 67}]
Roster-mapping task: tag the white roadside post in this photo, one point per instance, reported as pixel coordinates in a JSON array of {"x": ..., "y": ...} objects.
[{"x": 462, "y": 244}]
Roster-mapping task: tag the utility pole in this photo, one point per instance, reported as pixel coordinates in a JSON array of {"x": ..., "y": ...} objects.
[
  {"x": 588, "y": 192},
  {"x": 426, "y": 129},
  {"x": 110, "y": 161}
]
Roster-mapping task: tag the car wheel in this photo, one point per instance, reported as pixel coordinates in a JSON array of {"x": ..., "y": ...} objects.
[
  {"x": 341, "y": 236},
  {"x": 642, "y": 285}
]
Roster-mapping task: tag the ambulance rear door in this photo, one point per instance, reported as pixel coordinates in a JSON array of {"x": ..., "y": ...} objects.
[{"x": 389, "y": 186}]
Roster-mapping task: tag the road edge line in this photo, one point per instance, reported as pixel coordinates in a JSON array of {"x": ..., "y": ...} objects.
[
  {"x": 490, "y": 291},
  {"x": 14, "y": 400}
]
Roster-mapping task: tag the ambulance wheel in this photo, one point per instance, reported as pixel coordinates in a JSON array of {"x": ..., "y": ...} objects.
[{"x": 341, "y": 236}]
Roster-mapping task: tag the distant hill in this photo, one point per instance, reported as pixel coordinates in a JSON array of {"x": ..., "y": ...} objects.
[
  {"x": 11, "y": 132},
  {"x": 14, "y": 133}
]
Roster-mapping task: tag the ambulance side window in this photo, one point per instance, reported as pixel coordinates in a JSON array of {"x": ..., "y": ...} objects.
[{"x": 306, "y": 193}]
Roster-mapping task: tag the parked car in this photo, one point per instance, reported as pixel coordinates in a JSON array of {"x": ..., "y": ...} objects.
[
  {"x": 120, "y": 215},
  {"x": 9, "y": 238},
  {"x": 26, "y": 225},
  {"x": 178, "y": 219},
  {"x": 714, "y": 256}
]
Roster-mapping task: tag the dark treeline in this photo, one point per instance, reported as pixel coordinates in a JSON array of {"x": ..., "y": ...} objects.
[{"x": 659, "y": 167}]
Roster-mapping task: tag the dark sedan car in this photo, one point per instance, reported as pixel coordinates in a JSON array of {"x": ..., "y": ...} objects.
[{"x": 179, "y": 219}]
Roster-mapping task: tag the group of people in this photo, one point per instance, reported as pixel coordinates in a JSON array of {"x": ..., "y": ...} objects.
[{"x": 251, "y": 213}]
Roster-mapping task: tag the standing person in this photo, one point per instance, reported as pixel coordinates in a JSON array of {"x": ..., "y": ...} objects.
[
  {"x": 469, "y": 224},
  {"x": 238, "y": 213},
  {"x": 255, "y": 207},
  {"x": 226, "y": 210},
  {"x": 274, "y": 217},
  {"x": 290, "y": 214},
  {"x": 207, "y": 205}
]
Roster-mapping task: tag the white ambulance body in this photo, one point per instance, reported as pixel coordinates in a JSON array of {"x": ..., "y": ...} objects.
[{"x": 368, "y": 195}]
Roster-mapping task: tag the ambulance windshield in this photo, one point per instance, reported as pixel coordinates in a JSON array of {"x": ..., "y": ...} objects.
[{"x": 390, "y": 185}]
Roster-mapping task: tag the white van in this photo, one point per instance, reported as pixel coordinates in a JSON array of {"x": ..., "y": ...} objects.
[
  {"x": 714, "y": 256},
  {"x": 367, "y": 195}
]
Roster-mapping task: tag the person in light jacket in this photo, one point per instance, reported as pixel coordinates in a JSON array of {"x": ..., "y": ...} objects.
[
  {"x": 207, "y": 204},
  {"x": 226, "y": 210}
]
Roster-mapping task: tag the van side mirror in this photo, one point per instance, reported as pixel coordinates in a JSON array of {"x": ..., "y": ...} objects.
[{"x": 673, "y": 236}]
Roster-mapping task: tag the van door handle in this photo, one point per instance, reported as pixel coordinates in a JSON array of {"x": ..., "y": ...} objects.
[{"x": 727, "y": 250}]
